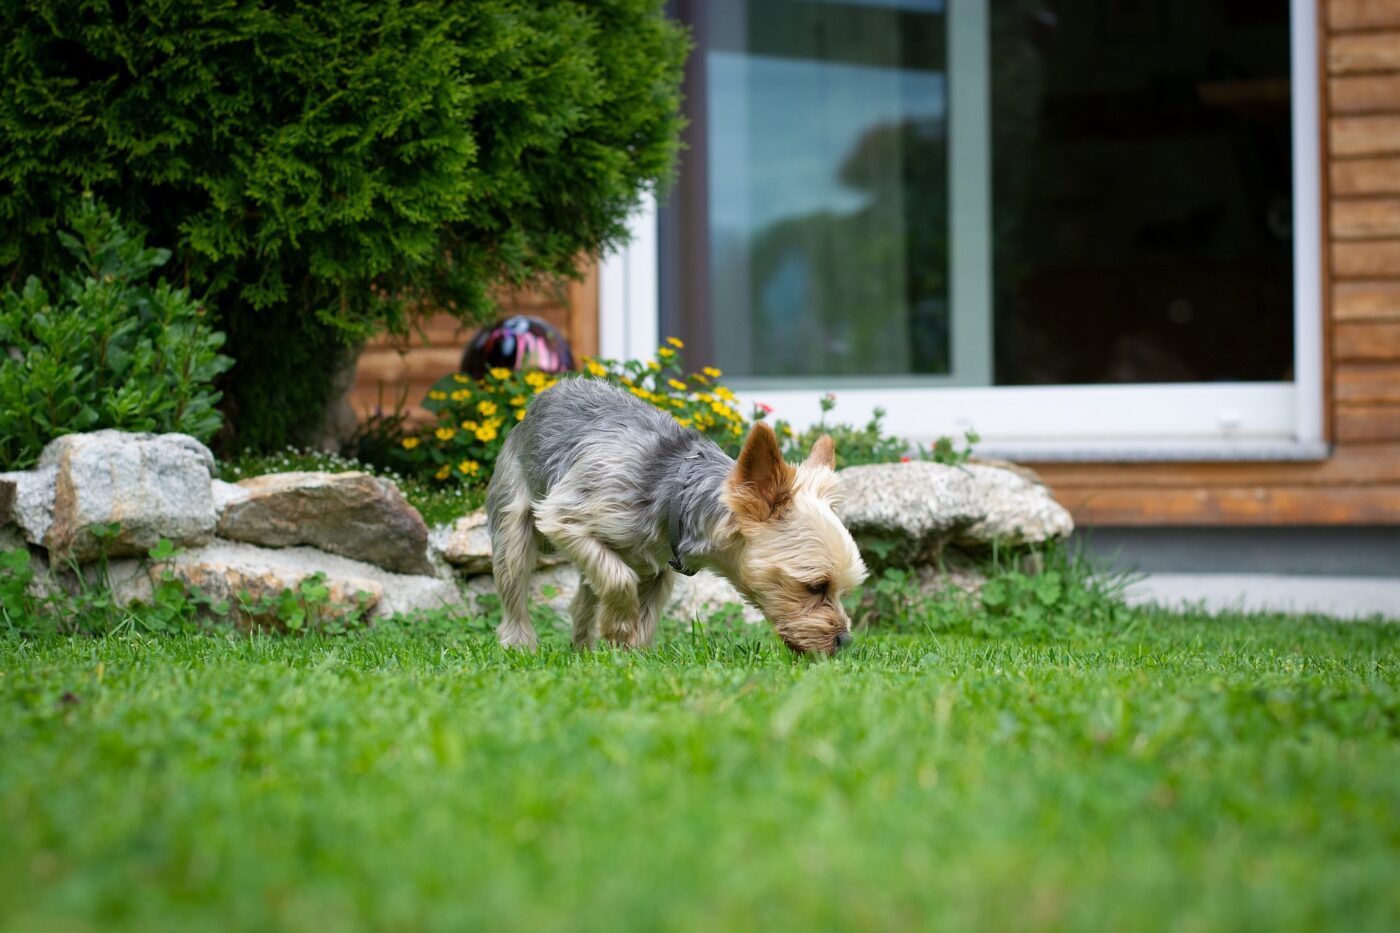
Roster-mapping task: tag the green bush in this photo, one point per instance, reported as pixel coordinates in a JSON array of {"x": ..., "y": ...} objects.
[
  {"x": 104, "y": 348},
  {"x": 325, "y": 169}
]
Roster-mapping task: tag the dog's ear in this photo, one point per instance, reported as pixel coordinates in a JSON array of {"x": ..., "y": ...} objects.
[
  {"x": 823, "y": 453},
  {"x": 761, "y": 484}
]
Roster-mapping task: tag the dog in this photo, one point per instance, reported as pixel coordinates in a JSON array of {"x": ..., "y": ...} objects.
[{"x": 632, "y": 498}]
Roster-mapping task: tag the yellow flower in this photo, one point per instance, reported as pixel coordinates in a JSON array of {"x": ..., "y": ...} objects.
[
  {"x": 445, "y": 434},
  {"x": 665, "y": 352},
  {"x": 534, "y": 379},
  {"x": 437, "y": 395},
  {"x": 469, "y": 467},
  {"x": 409, "y": 443},
  {"x": 469, "y": 425},
  {"x": 677, "y": 403},
  {"x": 595, "y": 370},
  {"x": 458, "y": 377},
  {"x": 712, "y": 372},
  {"x": 627, "y": 381},
  {"x": 520, "y": 414},
  {"x": 486, "y": 408},
  {"x": 736, "y": 430},
  {"x": 500, "y": 372},
  {"x": 683, "y": 422},
  {"x": 725, "y": 394},
  {"x": 706, "y": 397},
  {"x": 787, "y": 430},
  {"x": 493, "y": 423},
  {"x": 518, "y": 400},
  {"x": 461, "y": 395},
  {"x": 675, "y": 342},
  {"x": 549, "y": 384},
  {"x": 719, "y": 408},
  {"x": 676, "y": 384},
  {"x": 485, "y": 433},
  {"x": 653, "y": 366},
  {"x": 444, "y": 473},
  {"x": 700, "y": 378}
]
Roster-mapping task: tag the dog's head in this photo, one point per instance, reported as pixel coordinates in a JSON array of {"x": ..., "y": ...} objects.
[{"x": 796, "y": 559}]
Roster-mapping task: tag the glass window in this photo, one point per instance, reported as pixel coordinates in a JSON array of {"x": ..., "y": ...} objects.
[{"x": 1139, "y": 220}]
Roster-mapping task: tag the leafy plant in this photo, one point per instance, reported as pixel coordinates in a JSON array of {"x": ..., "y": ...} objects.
[
  {"x": 324, "y": 170},
  {"x": 104, "y": 348}
]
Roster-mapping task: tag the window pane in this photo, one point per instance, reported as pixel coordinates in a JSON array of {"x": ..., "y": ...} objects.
[
  {"x": 1141, "y": 191},
  {"x": 826, "y": 180}
]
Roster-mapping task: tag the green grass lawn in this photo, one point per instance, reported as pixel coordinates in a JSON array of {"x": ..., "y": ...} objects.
[{"x": 1167, "y": 772}]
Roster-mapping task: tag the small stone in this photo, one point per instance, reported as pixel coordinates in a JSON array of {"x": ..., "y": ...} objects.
[{"x": 466, "y": 545}]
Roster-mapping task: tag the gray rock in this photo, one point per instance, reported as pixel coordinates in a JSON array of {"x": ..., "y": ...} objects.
[
  {"x": 150, "y": 486},
  {"x": 904, "y": 514},
  {"x": 226, "y": 494},
  {"x": 31, "y": 509},
  {"x": 353, "y": 514},
  {"x": 466, "y": 545},
  {"x": 226, "y": 570}
]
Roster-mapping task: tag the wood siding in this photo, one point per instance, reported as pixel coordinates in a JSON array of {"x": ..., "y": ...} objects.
[
  {"x": 399, "y": 370},
  {"x": 1360, "y": 482}
]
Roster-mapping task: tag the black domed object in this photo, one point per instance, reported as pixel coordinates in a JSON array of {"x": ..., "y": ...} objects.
[{"x": 518, "y": 342}]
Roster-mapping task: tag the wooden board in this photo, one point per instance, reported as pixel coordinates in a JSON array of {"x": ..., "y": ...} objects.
[
  {"x": 1362, "y": 14},
  {"x": 1364, "y": 52},
  {"x": 1364, "y": 135},
  {"x": 1365, "y": 176},
  {"x": 1362, "y": 383},
  {"x": 1365, "y": 218},
  {"x": 1367, "y": 423},
  {"x": 1256, "y": 506},
  {"x": 1377, "y": 259},
  {"x": 1366, "y": 301},
  {"x": 1366, "y": 342},
  {"x": 1364, "y": 94}
]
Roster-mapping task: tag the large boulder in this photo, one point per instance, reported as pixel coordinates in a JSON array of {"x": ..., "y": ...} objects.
[
  {"x": 904, "y": 514},
  {"x": 117, "y": 494},
  {"x": 250, "y": 578},
  {"x": 354, "y": 515}
]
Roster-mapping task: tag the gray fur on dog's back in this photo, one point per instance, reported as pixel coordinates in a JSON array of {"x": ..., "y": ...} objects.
[{"x": 631, "y": 457}]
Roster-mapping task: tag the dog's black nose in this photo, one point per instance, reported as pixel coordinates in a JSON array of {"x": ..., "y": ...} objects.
[{"x": 843, "y": 640}]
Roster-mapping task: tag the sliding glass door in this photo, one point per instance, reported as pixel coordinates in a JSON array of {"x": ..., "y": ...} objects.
[{"x": 997, "y": 207}]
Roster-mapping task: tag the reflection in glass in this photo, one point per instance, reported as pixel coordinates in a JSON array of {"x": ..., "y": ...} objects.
[{"x": 827, "y": 187}]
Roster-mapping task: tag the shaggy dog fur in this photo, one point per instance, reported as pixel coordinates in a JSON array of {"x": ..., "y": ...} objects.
[{"x": 626, "y": 494}]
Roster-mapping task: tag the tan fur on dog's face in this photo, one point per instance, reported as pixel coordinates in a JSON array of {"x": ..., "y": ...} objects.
[{"x": 797, "y": 559}]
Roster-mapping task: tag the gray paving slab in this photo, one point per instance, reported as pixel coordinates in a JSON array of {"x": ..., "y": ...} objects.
[{"x": 1340, "y": 597}]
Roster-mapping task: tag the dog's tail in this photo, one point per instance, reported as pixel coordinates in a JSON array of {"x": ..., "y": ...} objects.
[{"x": 512, "y": 549}]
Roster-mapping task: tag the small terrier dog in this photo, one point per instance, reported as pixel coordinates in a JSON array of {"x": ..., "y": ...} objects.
[{"x": 631, "y": 498}]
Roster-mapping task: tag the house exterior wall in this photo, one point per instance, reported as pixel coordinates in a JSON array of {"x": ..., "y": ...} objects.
[{"x": 1359, "y": 484}]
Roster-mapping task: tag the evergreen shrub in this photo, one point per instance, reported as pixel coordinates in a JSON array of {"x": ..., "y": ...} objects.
[{"x": 324, "y": 169}]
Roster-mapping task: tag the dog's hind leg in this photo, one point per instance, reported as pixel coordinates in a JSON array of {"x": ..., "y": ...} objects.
[
  {"x": 512, "y": 551},
  {"x": 584, "y": 611}
]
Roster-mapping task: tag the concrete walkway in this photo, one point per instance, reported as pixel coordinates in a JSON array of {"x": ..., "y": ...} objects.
[{"x": 1341, "y": 597}]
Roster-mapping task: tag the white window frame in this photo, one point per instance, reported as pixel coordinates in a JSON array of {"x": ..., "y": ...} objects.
[{"x": 1174, "y": 421}]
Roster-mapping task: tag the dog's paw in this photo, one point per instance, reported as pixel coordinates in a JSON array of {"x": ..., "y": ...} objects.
[{"x": 517, "y": 639}]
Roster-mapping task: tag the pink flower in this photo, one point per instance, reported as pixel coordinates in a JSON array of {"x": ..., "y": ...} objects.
[
  {"x": 903, "y": 459},
  {"x": 766, "y": 409}
]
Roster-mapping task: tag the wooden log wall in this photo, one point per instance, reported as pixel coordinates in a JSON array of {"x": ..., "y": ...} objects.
[
  {"x": 394, "y": 368},
  {"x": 1360, "y": 483}
]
